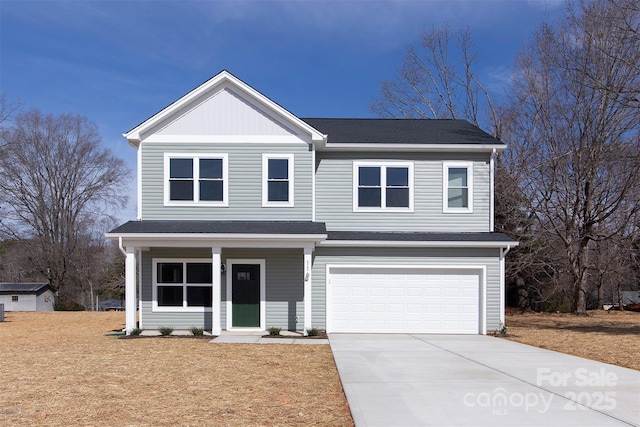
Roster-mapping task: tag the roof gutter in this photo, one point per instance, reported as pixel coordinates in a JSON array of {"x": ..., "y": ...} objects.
[{"x": 438, "y": 148}]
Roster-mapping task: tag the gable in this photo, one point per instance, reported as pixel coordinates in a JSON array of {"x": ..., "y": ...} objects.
[
  {"x": 223, "y": 105},
  {"x": 225, "y": 112}
]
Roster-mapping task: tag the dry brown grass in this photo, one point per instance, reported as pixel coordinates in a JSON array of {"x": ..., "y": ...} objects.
[
  {"x": 610, "y": 337},
  {"x": 60, "y": 369}
]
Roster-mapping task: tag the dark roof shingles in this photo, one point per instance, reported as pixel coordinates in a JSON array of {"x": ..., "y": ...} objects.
[
  {"x": 222, "y": 227},
  {"x": 401, "y": 131},
  {"x": 22, "y": 287},
  {"x": 420, "y": 237}
]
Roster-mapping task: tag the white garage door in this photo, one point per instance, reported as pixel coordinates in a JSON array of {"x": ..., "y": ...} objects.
[{"x": 403, "y": 300}]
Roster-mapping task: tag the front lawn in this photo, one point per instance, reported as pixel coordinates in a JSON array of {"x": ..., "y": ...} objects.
[
  {"x": 60, "y": 369},
  {"x": 611, "y": 337}
]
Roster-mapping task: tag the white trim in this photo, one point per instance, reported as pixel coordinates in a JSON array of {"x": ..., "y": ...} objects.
[
  {"x": 265, "y": 175},
  {"x": 154, "y": 285},
  {"x": 139, "y": 296},
  {"x": 196, "y": 178},
  {"x": 134, "y": 136},
  {"x": 263, "y": 286},
  {"x": 422, "y": 148},
  {"x": 414, "y": 244},
  {"x": 383, "y": 165},
  {"x": 446, "y": 165},
  {"x": 482, "y": 292}
]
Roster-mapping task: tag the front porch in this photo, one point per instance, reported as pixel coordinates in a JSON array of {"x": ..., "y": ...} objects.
[{"x": 241, "y": 281}]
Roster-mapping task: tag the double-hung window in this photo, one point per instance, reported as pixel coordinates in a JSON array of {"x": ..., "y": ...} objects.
[
  {"x": 182, "y": 284},
  {"x": 383, "y": 186},
  {"x": 457, "y": 191},
  {"x": 277, "y": 180},
  {"x": 196, "y": 179}
]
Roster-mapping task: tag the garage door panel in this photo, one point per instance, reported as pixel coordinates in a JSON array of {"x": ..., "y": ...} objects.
[{"x": 403, "y": 300}]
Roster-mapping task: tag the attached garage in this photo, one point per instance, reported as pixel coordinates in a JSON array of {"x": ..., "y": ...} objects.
[{"x": 405, "y": 299}]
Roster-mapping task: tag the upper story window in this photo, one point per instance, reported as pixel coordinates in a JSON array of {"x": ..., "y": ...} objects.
[
  {"x": 277, "y": 180},
  {"x": 182, "y": 284},
  {"x": 457, "y": 189},
  {"x": 382, "y": 186},
  {"x": 196, "y": 179}
]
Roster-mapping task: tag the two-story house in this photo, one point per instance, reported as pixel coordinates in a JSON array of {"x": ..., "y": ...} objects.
[{"x": 250, "y": 217}]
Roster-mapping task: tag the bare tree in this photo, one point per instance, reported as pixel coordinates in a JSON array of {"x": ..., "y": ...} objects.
[
  {"x": 54, "y": 175},
  {"x": 437, "y": 80},
  {"x": 576, "y": 130}
]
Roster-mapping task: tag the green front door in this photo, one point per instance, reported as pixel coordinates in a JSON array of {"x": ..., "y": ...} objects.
[{"x": 245, "y": 295}]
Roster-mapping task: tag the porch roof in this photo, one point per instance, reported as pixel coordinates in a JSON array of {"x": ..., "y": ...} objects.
[{"x": 219, "y": 227}]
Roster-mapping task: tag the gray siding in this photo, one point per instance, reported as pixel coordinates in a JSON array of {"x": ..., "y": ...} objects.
[
  {"x": 334, "y": 194},
  {"x": 407, "y": 256},
  {"x": 284, "y": 288},
  {"x": 245, "y": 182}
]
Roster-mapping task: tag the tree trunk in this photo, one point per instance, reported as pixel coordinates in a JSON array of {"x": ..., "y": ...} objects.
[
  {"x": 600, "y": 293},
  {"x": 620, "y": 299}
]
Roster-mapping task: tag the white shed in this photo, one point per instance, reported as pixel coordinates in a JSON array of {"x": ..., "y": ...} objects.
[{"x": 26, "y": 297}]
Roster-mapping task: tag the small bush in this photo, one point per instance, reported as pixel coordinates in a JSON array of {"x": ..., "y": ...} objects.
[
  {"x": 273, "y": 331},
  {"x": 68, "y": 306},
  {"x": 135, "y": 332},
  {"x": 198, "y": 332},
  {"x": 165, "y": 331},
  {"x": 313, "y": 332}
]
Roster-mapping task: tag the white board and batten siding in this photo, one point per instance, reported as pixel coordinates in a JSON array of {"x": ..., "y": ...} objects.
[
  {"x": 334, "y": 194},
  {"x": 466, "y": 281}
]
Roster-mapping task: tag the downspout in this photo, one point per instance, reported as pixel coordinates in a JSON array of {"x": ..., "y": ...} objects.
[
  {"x": 492, "y": 195},
  {"x": 121, "y": 247}
]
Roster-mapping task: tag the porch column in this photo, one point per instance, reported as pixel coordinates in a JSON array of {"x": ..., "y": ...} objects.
[
  {"x": 307, "y": 289},
  {"x": 130, "y": 289},
  {"x": 215, "y": 291}
]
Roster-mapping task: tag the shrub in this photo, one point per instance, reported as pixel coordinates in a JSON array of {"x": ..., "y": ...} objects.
[
  {"x": 273, "y": 331},
  {"x": 165, "y": 330},
  {"x": 68, "y": 306},
  {"x": 135, "y": 332},
  {"x": 313, "y": 332},
  {"x": 198, "y": 332}
]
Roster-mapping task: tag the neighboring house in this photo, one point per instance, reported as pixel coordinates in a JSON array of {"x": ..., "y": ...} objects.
[
  {"x": 630, "y": 297},
  {"x": 26, "y": 297},
  {"x": 250, "y": 217}
]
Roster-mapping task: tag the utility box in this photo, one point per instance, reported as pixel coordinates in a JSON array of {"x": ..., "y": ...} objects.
[{"x": 1, "y": 312}]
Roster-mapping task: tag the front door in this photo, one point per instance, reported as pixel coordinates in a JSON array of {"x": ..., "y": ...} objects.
[{"x": 245, "y": 296}]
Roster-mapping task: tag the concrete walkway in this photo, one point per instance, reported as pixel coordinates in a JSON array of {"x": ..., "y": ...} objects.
[{"x": 474, "y": 380}]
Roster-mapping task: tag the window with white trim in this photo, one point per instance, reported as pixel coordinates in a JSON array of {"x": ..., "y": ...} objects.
[
  {"x": 457, "y": 192},
  {"x": 182, "y": 284},
  {"x": 277, "y": 180},
  {"x": 196, "y": 179},
  {"x": 382, "y": 186}
]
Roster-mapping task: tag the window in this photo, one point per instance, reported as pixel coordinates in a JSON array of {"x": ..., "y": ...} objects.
[
  {"x": 182, "y": 284},
  {"x": 277, "y": 180},
  {"x": 458, "y": 187},
  {"x": 196, "y": 179},
  {"x": 382, "y": 186},
  {"x": 14, "y": 298}
]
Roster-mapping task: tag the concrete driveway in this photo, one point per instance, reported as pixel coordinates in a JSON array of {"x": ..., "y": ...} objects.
[{"x": 474, "y": 380}]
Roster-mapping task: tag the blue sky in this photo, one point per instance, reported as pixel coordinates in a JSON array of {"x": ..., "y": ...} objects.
[{"x": 119, "y": 62}]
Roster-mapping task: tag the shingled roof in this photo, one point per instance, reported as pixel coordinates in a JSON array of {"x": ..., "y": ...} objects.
[
  {"x": 401, "y": 131},
  {"x": 23, "y": 288}
]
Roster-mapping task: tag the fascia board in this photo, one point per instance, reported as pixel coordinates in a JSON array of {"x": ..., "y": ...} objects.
[
  {"x": 223, "y": 240},
  {"x": 415, "y": 244},
  {"x": 372, "y": 147}
]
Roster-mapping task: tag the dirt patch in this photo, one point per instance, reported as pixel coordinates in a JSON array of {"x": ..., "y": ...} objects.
[
  {"x": 610, "y": 337},
  {"x": 63, "y": 369}
]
